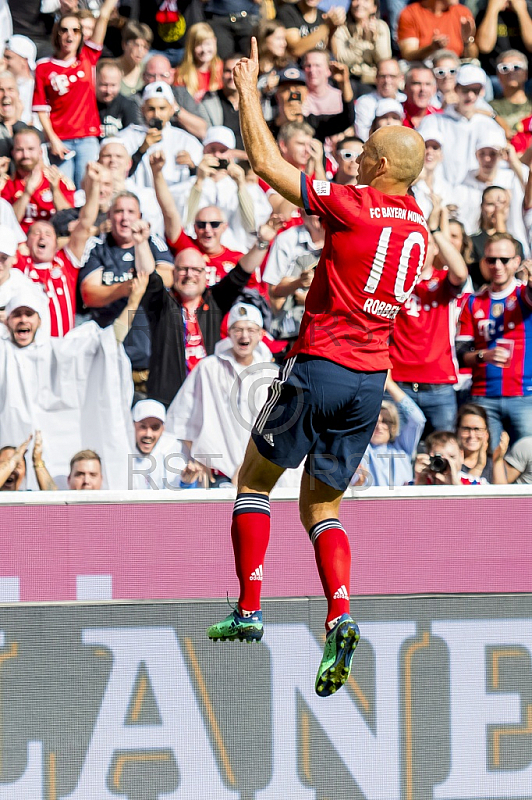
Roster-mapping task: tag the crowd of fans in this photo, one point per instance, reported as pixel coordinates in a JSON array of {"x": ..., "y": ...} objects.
[{"x": 151, "y": 283}]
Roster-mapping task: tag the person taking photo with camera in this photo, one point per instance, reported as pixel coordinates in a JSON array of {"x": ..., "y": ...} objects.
[{"x": 441, "y": 464}]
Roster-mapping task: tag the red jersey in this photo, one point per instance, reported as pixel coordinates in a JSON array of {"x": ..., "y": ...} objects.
[
  {"x": 486, "y": 318},
  {"x": 194, "y": 345},
  {"x": 521, "y": 140},
  {"x": 374, "y": 251},
  {"x": 422, "y": 349},
  {"x": 66, "y": 90},
  {"x": 59, "y": 280},
  {"x": 216, "y": 266},
  {"x": 411, "y": 111},
  {"x": 41, "y": 204}
]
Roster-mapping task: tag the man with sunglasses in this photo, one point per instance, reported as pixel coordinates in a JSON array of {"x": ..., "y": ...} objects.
[
  {"x": 514, "y": 105},
  {"x": 495, "y": 341},
  {"x": 209, "y": 225},
  {"x": 460, "y": 125}
]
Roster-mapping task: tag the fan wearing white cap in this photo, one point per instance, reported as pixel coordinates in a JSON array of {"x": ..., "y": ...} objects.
[
  {"x": 23, "y": 317},
  {"x": 432, "y": 181},
  {"x": 388, "y": 112},
  {"x": 214, "y": 410},
  {"x": 157, "y": 460},
  {"x": 20, "y": 54},
  {"x": 221, "y": 182},
  {"x": 461, "y": 124},
  {"x": 497, "y": 165},
  {"x": 158, "y": 107}
]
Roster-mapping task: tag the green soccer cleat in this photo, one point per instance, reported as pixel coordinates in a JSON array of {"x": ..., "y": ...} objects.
[
  {"x": 245, "y": 629},
  {"x": 336, "y": 662}
]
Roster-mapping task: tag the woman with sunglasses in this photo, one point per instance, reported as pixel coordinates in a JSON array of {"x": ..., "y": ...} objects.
[
  {"x": 64, "y": 96},
  {"x": 445, "y": 66},
  {"x": 514, "y": 105}
]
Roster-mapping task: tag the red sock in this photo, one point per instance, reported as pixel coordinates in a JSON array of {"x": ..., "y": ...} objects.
[
  {"x": 250, "y": 533},
  {"x": 333, "y": 557}
]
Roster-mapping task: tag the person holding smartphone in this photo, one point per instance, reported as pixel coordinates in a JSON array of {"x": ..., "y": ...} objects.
[{"x": 157, "y": 133}]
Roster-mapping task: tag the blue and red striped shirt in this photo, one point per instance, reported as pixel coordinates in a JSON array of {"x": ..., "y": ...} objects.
[{"x": 489, "y": 316}]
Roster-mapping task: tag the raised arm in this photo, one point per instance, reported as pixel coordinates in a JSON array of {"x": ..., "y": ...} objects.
[
  {"x": 261, "y": 148},
  {"x": 172, "y": 220},
  {"x": 88, "y": 213},
  {"x": 100, "y": 29}
]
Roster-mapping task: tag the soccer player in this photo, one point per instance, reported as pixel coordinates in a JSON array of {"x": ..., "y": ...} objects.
[{"x": 324, "y": 405}]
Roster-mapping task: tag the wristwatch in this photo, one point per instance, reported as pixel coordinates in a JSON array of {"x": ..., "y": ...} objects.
[
  {"x": 262, "y": 244},
  {"x": 480, "y": 357}
]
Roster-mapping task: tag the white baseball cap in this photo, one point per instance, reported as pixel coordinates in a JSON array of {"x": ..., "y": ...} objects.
[
  {"x": 149, "y": 408},
  {"x": 492, "y": 139},
  {"x": 433, "y": 136},
  {"x": 8, "y": 241},
  {"x": 221, "y": 135},
  {"x": 158, "y": 89},
  {"x": 244, "y": 312},
  {"x": 470, "y": 75},
  {"x": 387, "y": 105},
  {"x": 26, "y": 298},
  {"x": 23, "y": 47}
]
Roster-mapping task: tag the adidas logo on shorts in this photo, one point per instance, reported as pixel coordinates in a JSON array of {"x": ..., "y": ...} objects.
[
  {"x": 268, "y": 437},
  {"x": 256, "y": 575},
  {"x": 341, "y": 593}
]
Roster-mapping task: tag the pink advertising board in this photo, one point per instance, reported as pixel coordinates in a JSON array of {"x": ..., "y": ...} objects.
[{"x": 182, "y": 550}]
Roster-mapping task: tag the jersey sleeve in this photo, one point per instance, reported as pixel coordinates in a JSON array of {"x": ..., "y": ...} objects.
[
  {"x": 181, "y": 243},
  {"x": 8, "y": 192},
  {"x": 40, "y": 101},
  {"x": 407, "y": 27},
  {"x": 92, "y": 51},
  {"x": 337, "y": 205},
  {"x": 160, "y": 251},
  {"x": 91, "y": 259},
  {"x": 68, "y": 190},
  {"x": 466, "y": 331}
]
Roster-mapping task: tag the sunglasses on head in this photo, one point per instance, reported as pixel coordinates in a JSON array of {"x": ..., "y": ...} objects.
[
  {"x": 493, "y": 259},
  {"x": 347, "y": 155},
  {"x": 442, "y": 72},
  {"x": 505, "y": 68},
  {"x": 202, "y": 224}
]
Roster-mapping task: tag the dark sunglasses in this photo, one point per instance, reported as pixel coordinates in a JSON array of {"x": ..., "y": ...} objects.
[
  {"x": 493, "y": 259},
  {"x": 442, "y": 72},
  {"x": 69, "y": 30},
  {"x": 214, "y": 223}
]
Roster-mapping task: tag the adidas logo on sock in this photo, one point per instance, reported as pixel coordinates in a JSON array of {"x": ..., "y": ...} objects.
[
  {"x": 256, "y": 575},
  {"x": 341, "y": 594}
]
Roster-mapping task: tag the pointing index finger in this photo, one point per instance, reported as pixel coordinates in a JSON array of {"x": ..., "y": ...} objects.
[{"x": 254, "y": 52}]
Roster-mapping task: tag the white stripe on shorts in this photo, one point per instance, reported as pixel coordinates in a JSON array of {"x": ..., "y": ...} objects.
[{"x": 276, "y": 387}]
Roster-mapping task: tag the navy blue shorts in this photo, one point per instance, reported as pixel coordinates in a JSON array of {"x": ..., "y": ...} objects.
[{"x": 321, "y": 410}]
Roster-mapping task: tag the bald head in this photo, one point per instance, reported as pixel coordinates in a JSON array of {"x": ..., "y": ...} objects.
[{"x": 400, "y": 152}]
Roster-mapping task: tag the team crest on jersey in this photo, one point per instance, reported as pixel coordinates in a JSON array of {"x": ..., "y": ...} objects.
[
  {"x": 433, "y": 285},
  {"x": 56, "y": 272},
  {"x": 511, "y": 303},
  {"x": 479, "y": 314},
  {"x": 227, "y": 265},
  {"x": 322, "y": 187},
  {"x": 47, "y": 196},
  {"x": 497, "y": 310}
]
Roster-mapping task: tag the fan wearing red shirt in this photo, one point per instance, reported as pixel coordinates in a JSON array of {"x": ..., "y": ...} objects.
[
  {"x": 57, "y": 270},
  {"x": 324, "y": 405},
  {"x": 209, "y": 225},
  {"x": 64, "y": 96},
  {"x": 36, "y": 192},
  {"x": 422, "y": 350}
]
